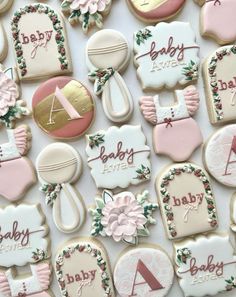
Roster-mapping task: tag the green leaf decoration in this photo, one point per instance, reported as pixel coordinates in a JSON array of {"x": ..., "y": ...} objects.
[
  {"x": 100, "y": 203},
  {"x": 143, "y": 232}
]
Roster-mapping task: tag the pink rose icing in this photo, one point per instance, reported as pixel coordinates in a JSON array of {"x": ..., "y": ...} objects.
[
  {"x": 122, "y": 218},
  {"x": 8, "y": 93},
  {"x": 192, "y": 100},
  {"x": 91, "y": 6}
]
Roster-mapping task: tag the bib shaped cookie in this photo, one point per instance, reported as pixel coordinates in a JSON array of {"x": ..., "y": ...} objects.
[
  {"x": 40, "y": 42},
  {"x": 166, "y": 55},
  {"x": 185, "y": 197},
  {"x": 205, "y": 265},
  {"x": 82, "y": 269},
  {"x": 220, "y": 85}
]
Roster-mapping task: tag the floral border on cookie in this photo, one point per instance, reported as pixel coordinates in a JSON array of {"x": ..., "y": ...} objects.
[
  {"x": 190, "y": 71},
  {"x": 39, "y": 255},
  {"x": 87, "y": 248},
  {"x": 142, "y": 35},
  {"x": 51, "y": 191},
  {"x": 60, "y": 39},
  {"x": 182, "y": 255},
  {"x": 230, "y": 283},
  {"x": 213, "y": 80},
  {"x": 95, "y": 140},
  {"x": 165, "y": 196}
]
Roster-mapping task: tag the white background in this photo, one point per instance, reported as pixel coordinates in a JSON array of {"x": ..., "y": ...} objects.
[{"x": 120, "y": 19}]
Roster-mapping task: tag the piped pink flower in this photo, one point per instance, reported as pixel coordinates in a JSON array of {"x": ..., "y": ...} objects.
[
  {"x": 91, "y": 6},
  {"x": 8, "y": 93}
]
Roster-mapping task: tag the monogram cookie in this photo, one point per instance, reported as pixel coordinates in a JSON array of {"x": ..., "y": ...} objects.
[
  {"x": 185, "y": 197},
  {"x": 118, "y": 157},
  {"x": 166, "y": 56}
]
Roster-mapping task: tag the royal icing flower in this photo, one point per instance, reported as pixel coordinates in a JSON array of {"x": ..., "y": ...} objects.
[
  {"x": 8, "y": 93},
  {"x": 122, "y": 218},
  {"x": 91, "y": 6}
]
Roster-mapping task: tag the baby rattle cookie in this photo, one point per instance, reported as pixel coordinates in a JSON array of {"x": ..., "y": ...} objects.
[
  {"x": 220, "y": 84},
  {"x": 87, "y": 12},
  {"x": 153, "y": 11},
  {"x": 5, "y": 5},
  {"x": 24, "y": 235},
  {"x": 107, "y": 54},
  {"x": 185, "y": 197},
  {"x": 63, "y": 107},
  {"x": 82, "y": 268},
  {"x": 174, "y": 124},
  {"x": 58, "y": 165},
  {"x": 144, "y": 271},
  {"x": 218, "y": 20},
  {"x": 205, "y": 265},
  {"x": 118, "y": 157},
  {"x": 40, "y": 42},
  {"x": 166, "y": 56},
  {"x": 123, "y": 216}
]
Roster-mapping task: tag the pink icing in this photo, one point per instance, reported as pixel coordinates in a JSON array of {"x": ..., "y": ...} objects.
[
  {"x": 219, "y": 20},
  {"x": 192, "y": 100},
  {"x": 21, "y": 135},
  {"x": 148, "y": 109},
  {"x": 43, "y": 272},
  {"x": 122, "y": 218},
  {"x": 91, "y": 6}
]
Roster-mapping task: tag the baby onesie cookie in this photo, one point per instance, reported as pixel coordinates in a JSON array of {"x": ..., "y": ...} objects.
[
  {"x": 40, "y": 42},
  {"x": 174, "y": 124},
  {"x": 153, "y": 11},
  {"x": 118, "y": 157},
  {"x": 220, "y": 85},
  {"x": 143, "y": 271},
  {"x": 205, "y": 265},
  {"x": 222, "y": 146},
  {"x": 86, "y": 12},
  {"x": 63, "y": 107},
  {"x": 58, "y": 165},
  {"x": 218, "y": 20},
  {"x": 5, "y": 5},
  {"x": 82, "y": 268},
  {"x": 23, "y": 235},
  {"x": 36, "y": 283},
  {"x": 166, "y": 56},
  {"x": 16, "y": 171},
  {"x": 123, "y": 216},
  {"x": 185, "y": 197},
  {"x": 107, "y": 54}
]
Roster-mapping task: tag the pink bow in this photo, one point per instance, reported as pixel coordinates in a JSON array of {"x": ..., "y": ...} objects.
[
  {"x": 22, "y": 295},
  {"x": 168, "y": 122}
]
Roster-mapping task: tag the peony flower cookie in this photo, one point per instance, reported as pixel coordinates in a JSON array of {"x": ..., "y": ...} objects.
[
  {"x": 166, "y": 56},
  {"x": 107, "y": 54},
  {"x": 82, "y": 268},
  {"x": 174, "y": 124},
  {"x": 5, "y": 5},
  {"x": 58, "y": 166},
  {"x": 123, "y": 216},
  {"x": 143, "y": 271},
  {"x": 40, "y": 42},
  {"x": 220, "y": 84},
  {"x": 63, "y": 107},
  {"x": 185, "y": 197},
  {"x": 205, "y": 265},
  {"x": 218, "y": 20},
  {"x": 86, "y": 12},
  {"x": 153, "y": 11}
]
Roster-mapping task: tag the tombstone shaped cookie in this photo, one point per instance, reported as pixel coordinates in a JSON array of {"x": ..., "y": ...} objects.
[
  {"x": 174, "y": 124},
  {"x": 185, "y": 197},
  {"x": 58, "y": 166},
  {"x": 218, "y": 20},
  {"x": 40, "y": 42},
  {"x": 220, "y": 85},
  {"x": 107, "y": 54},
  {"x": 5, "y": 5},
  {"x": 82, "y": 269},
  {"x": 166, "y": 56}
]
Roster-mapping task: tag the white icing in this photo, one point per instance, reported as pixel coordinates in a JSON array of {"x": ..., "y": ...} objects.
[{"x": 9, "y": 150}]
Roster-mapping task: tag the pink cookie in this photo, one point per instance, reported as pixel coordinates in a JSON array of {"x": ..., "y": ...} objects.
[{"x": 63, "y": 107}]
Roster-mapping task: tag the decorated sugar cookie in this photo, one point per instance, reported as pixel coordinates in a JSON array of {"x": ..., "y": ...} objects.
[
  {"x": 185, "y": 197},
  {"x": 174, "y": 124},
  {"x": 222, "y": 146},
  {"x": 118, "y": 157},
  {"x": 35, "y": 284},
  {"x": 205, "y": 265},
  {"x": 87, "y": 12},
  {"x": 218, "y": 20},
  {"x": 107, "y": 54},
  {"x": 5, "y": 5},
  {"x": 23, "y": 235},
  {"x": 123, "y": 216},
  {"x": 63, "y": 107},
  {"x": 143, "y": 271},
  {"x": 40, "y": 42},
  {"x": 82, "y": 268},
  {"x": 166, "y": 56},
  {"x": 58, "y": 165},
  {"x": 220, "y": 85},
  {"x": 152, "y": 11}
]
